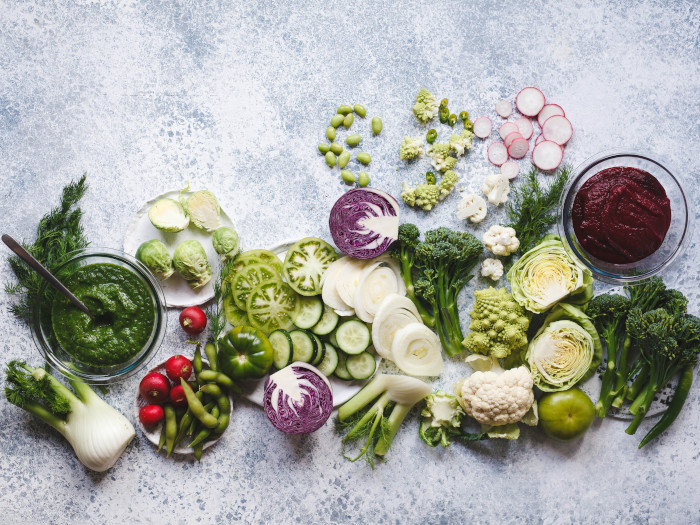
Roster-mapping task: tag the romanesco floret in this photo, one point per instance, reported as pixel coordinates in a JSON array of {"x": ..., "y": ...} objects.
[
  {"x": 447, "y": 184},
  {"x": 408, "y": 193},
  {"x": 426, "y": 106},
  {"x": 461, "y": 143},
  {"x": 499, "y": 324},
  {"x": 440, "y": 155},
  {"x": 424, "y": 196},
  {"x": 411, "y": 148}
]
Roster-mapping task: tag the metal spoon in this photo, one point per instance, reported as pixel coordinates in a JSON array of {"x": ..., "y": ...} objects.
[{"x": 41, "y": 270}]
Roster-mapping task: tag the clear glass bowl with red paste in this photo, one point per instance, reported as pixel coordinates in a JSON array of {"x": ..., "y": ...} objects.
[{"x": 624, "y": 216}]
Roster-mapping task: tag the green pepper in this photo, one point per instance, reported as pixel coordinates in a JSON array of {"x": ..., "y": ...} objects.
[{"x": 245, "y": 353}]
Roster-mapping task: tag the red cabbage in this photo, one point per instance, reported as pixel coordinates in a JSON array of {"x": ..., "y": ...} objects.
[
  {"x": 298, "y": 399},
  {"x": 364, "y": 222}
]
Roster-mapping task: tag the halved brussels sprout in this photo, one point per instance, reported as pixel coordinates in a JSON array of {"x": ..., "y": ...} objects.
[
  {"x": 226, "y": 242},
  {"x": 168, "y": 215},
  {"x": 204, "y": 210},
  {"x": 156, "y": 257},
  {"x": 190, "y": 260}
]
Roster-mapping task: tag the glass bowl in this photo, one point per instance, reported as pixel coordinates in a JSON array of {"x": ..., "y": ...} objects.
[
  {"x": 58, "y": 357},
  {"x": 678, "y": 235}
]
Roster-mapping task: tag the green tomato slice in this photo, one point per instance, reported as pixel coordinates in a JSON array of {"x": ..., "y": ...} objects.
[
  {"x": 270, "y": 306},
  {"x": 234, "y": 315},
  {"x": 248, "y": 278},
  {"x": 305, "y": 264},
  {"x": 252, "y": 257}
]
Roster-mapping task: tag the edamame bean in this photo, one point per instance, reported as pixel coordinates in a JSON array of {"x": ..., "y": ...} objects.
[
  {"x": 360, "y": 110},
  {"x": 364, "y": 158},
  {"x": 170, "y": 429},
  {"x": 337, "y": 120},
  {"x": 353, "y": 140},
  {"x": 444, "y": 115},
  {"x": 363, "y": 179},
  {"x": 336, "y": 148},
  {"x": 324, "y": 148},
  {"x": 210, "y": 351},
  {"x": 330, "y": 133},
  {"x": 349, "y": 119},
  {"x": 196, "y": 406},
  {"x": 431, "y": 136},
  {"x": 348, "y": 176},
  {"x": 330, "y": 159},
  {"x": 343, "y": 159},
  {"x": 344, "y": 109},
  {"x": 452, "y": 119},
  {"x": 377, "y": 125},
  {"x": 443, "y": 103}
]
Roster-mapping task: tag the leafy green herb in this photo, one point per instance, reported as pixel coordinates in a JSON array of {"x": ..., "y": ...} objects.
[
  {"x": 216, "y": 312},
  {"x": 59, "y": 233}
]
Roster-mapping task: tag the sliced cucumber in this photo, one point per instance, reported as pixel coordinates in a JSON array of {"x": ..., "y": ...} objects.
[
  {"x": 327, "y": 323},
  {"x": 341, "y": 370},
  {"x": 304, "y": 346},
  {"x": 361, "y": 366},
  {"x": 353, "y": 336},
  {"x": 330, "y": 360},
  {"x": 247, "y": 279},
  {"x": 306, "y": 262},
  {"x": 270, "y": 305},
  {"x": 321, "y": 349},
  {"x": 309, "y": 311},
  {"x": 282, "y": 346},
  {"x": 332, "y": 340}
]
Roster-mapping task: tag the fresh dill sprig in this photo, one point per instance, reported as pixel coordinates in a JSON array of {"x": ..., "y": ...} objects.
[{"x": 216, "y": 312}]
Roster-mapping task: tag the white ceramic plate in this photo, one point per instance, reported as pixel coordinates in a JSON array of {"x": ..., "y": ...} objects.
[{"x": 178, "y": 293}]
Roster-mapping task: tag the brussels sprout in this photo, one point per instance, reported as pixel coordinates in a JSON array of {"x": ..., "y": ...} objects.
[
  {"x": 168, "y": 215},
  {"x": 226, "y": 242},
  {"x": 204, "y": 210},
  {"x": 190, "y": 260},
  {"x": 156, "y": 257}
]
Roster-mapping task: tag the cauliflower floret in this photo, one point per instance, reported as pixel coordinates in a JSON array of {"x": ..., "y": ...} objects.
[
  {"x": 471, "y": 207},
  {"x": 426, "y": 106},
  {"x": 460, "y": 143},
  {"x": 447, "y": 184},
  {"x": 501, "y": 240},
  {"x": 411, "y": 148},
  {"x": 496, "y": 188},
  {"x": 440, "y": 155},
  {"x": 492, "y": 268}
]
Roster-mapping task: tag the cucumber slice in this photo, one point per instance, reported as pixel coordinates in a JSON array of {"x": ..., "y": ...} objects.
[
  {"x": 234, "y": 315},
  {"x": 332, "y": 340},
  {"x": 330, "y": 360},
  {"x": 309, "y": 311},
  {"x": 270, "y": 306},
  {"x": 341, "y": 370},
  {"x": 304, "y": 346},
  {"x": 320, "y": 354},
  {"x": 305, "y": 263},
  {"x": 353, "y": 337},
  {"x": 282, "y": 346},
  {"x": 327, "y": 323},
  {"x": 247, "y": 279},
  {"x": 361, "y": 366}
]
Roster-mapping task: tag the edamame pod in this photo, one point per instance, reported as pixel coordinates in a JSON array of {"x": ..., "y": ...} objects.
[
  {"x": 196, "y": 406},
  {"x": 363, "y": 179},
  {"x": 344, "y": 109},
  {"x": 364, "y": 158},
  {"x": 205, "y": 432},
  {"x": 210, "y": 351},
  {"x": 348, "y": 176},
  {"x": 353, "y": 140},
  {"x": 360, "y": 110},
  {"x": 161, "y": 441},
  {"x": 377, "y": 125},
  {"x": 170, "y": 429},
  {"x": 337, "y": 120},
  {"x": 349, "y": 119},
  {"x": 330, "y": 159},
  {"x": 324, "y": 148},
  {"x": 336, "y": 148},
  {"x": 197, "y": 451},
  {"x": 343, "y": 159},
  {"x": 330, "y": 133}
]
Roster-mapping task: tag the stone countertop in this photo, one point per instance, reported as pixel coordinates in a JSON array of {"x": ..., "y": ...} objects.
[{"x": 234, "y": 97}]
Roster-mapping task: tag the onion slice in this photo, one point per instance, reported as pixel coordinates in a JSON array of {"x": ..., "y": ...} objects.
[
  {"x": 396, "y": 312},
  {"x": 416, "y": 351},
  {"x": 329, "y": 291}
]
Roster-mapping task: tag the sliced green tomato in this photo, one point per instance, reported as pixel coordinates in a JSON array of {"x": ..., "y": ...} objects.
[
  {"x": 308, "y": 313},
  {"x": 361, "y": 366},
  {"x": 256, "y": 257},
  {"x": 234, "y": 315},
  {"x": 330, "y": 360},
  {"x": 306, "y": 262},
  {"x": 353, "y": 337},
  {"x": 247, "y": 279},
  {"x": 270, "y": 305},
  {"x": 282, "y": 346},
  {"x": 341, "y": 370}
]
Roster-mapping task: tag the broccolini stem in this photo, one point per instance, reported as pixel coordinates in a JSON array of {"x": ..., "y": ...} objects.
[
  {"x": 606, "y": 395},
  {"x": 636, "y": 387},
  {"x": 622, "y": 374},
  {"x": 649, "y": 394}
]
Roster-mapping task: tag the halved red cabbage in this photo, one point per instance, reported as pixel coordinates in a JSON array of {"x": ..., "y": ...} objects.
[
  {"x": 298, "y": 399},
  {"x": 364, "y": 222}
]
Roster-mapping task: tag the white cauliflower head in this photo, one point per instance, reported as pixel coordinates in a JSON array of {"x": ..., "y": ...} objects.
[
  {"x": 501, "y": 240},
  {"x": 471, "y": 207},
  {"x": 492, "y": 268},
  {"x": 496, "y": 188}
]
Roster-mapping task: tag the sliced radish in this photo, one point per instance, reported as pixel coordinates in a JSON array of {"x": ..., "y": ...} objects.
[
  {"x": 507, "y": 128},
  {"x": 549, "y": 110},
  {"x": 530, "y": 101},
  {"x": 525, "y": 127},
  {"x": 482, "y": 127},
  {"x": 518, "y": 148},
  {"x": 497, "y": 153},
  {"x": 547, "y": 155},
  {"x": 504, "y": 108},
  {"x": 557, "y": 129},
  {"x": 511, "y": 137},
  {"x": 539, "y": 139},
  {"x": 510, "y": 169}
]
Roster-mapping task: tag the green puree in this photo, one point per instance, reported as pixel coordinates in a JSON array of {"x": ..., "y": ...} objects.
[{"x": 123, "y": 309}]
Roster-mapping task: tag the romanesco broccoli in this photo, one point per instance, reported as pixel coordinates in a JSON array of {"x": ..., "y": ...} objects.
[
  {"x": 440, "y": 155},
  {"x": 426, "y": 196},
  {"x": 426, "y": 106},
  {"x": 461, "y": 143},
  {"x": 447, "y": 184},
  {"x": 411, "y": 148}
]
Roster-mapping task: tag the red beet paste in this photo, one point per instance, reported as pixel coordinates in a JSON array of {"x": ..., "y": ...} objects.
[{"x": 621, "y": 215}]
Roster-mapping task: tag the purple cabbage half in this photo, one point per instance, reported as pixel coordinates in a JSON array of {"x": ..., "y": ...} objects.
[
  {"x": 364, "y": 222},
  {"x": 298, "y": 399}
]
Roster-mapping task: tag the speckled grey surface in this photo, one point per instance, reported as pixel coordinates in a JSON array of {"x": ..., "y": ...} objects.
[{"x": 234, "y": 96}]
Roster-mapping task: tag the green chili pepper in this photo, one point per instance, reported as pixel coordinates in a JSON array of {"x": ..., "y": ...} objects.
[
  {"x": 444, "y": 115},
  {"x": 464, "y": 115},
  {"x": 468, "y": 125},
  {"x": 430, "y": 178},
  {"x": 443, "y": 103},
  {"x": 431, "y": 136},
  {"x": 452, "y": 119}
]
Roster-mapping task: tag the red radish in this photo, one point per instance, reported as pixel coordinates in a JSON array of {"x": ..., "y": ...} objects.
[
  {"x": 154, "y": 387},
  {"x": 525, "y": 127},
  {"x": 510, "y": 169},
  {"x": 539, "y": 139},
  {"x": 497, "y": 153},
  {"x": 149, "y": 415},
  {"x": 193, "y": 320},
  {"x": 482, "y": 127},
  {"x": 549, "y": 110},
  {"x": 504, "y": 108},
  {"x": 557, "y": 129},
  {"x": 518, "y": 148},
  {"x": 530, "y": 101},
  {"x": 507, "y": 128},
  {"x": 178, "y": 366},
  {"x": 177, "y": 396},
  {"x": 511, "y": 137},
  {"x": 547, "y": 155}
]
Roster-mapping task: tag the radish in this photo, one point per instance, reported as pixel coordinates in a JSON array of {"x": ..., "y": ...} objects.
[
  {"x": 177, "y": 396},
  {"x": 549, "y": 110},
  {"x": 507, "y": 128},
  {"x": 510, "y": 169},
  {"x": 150, "y": 415},
  {"x": 525, "y": 127},
  {"x": 193, "y": 320},
  {"x": 504, "y": 108},
  {"x": 497, "y": 153},
  {"x": 518, "y": 148},
  {"x": 530, "y": 101},
  {"x": 155, "y": 387},
  {"x": 557, "y": 129},
  {"x": 178, "y": 366},
  {"x": 539, "y": 139},
  {"x": 482, "y": 127},
  {"x": 547, "y": 155},
  {"x": 511, "y": 137}
]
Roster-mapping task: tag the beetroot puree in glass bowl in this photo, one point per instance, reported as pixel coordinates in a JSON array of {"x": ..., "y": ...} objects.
[{"x": 621, "y": 215}]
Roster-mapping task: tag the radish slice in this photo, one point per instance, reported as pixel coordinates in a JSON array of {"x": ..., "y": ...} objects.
[
  {"x": 549, "y": 110},
  {"x": 416, "y": 350},
  {"x": 519, "y": 148},
  {"x": 539, "y": 139},
  {"x": 511, "y": 137},
  {"x": 525, "y": 127},
  {"x": 482, "y": 127},
  {"x": 530, "y": 101},
  {"x": 557, "y": 129},
  {"x": 510, "y": 169},
  {"x": 497, "y": 153},
  {"x": 504, "y": 108},
  {"x": 507, "y": 128},
  {"x": 547, "y": 155}
]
